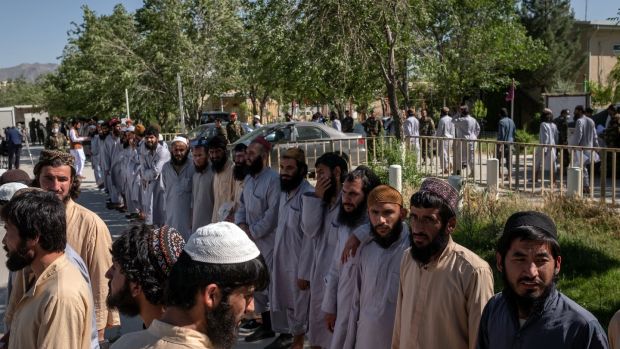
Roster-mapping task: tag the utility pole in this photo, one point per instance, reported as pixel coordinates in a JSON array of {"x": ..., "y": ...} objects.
[
  {"x": 127, "y": 103},
  {"x": 181, "y": 113},
  {"x": 586, "y": 17}
]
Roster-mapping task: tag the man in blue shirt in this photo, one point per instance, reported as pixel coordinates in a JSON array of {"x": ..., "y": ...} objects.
[
  {"x": 530, "y": 312},
  {"x": 505, "y": 133},
  {"x": 14, "y": 143}
]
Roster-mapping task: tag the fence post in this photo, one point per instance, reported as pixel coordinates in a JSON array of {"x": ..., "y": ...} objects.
[
  {"x": 492, "y": 176},
  {"x": 574, "y": 185},
  {"x": 396, "y": 178}
]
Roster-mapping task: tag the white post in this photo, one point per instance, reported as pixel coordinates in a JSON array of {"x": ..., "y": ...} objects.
[
  {"x": 574, "y": 185},
  {"x": 492, "y": 175},
  {"x": 181, "y": 113},
  {"x": 127, "y": 103},
  {"x": 396, "y": 178}
]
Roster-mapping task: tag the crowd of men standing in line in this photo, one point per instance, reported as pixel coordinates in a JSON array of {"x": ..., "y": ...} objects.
[{"x": 342, "y": 264}]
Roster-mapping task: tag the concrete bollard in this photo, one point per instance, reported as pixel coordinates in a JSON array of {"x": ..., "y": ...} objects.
[
  {"x": 492, "y": 175},
  {"x": 573, "y": 182},
  {"x": 396, "y": 177}
]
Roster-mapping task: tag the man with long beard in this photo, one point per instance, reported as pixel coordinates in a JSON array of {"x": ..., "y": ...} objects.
[
  {"x": 443, "y": 285},
  {"x": 209, "y": 289},
  {"x": 153, "y": 156},
  {"x": 320, "y": 213},
  {"x": 291, "y": 256},
  {"x": 240, "y": 171},
  {"x": 223, "y": 179},
  {"x": 530, "y": 312},
  {"x": 143, "y": 257},
  {"x": 376, "y": 271},
  {"x": 87, "y": 234},
  {"x": 257, "y": 215},
  {"x": 111, "y": 154},
  {"x": 56, "y": 306},
  {"x": 176, "y": 178},
  {"x": 202, "y": 186},
  {"x": 353, "y": 215}
]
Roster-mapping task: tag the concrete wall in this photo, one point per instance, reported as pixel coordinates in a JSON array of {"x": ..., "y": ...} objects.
[{"x": 597, "y": 41}]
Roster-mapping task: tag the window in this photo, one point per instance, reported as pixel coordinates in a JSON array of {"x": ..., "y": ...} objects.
[
  {"x": 306, "y": 133},
  {"x": 279, "y": 135},
  {"x": 616, "y": 49}
]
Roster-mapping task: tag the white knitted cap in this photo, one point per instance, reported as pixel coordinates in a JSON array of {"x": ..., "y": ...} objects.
[
  {"x": 221, "y": 243},
  {"x": 179, "y": 139},
  {"x": 8, "y": 189}
]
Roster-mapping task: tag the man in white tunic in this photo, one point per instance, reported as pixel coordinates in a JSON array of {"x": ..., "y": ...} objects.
[
  {"x": 77, "y": 149},
  {"x": 445, "y": 129},
  {"x": 377, "y": 271},
  {"x": 466, "y": 128},
  {"x": 292, "y": 255},
  {"x": 412, "y": 132},
  {"x": 352, "y": 216},
  {"x": 584, "y": 136},
  {"x": 202, "y": 186},
  {"x": 177, "y": 182},
  {"x": 153, "y": 157},
  {"x": 320, "y": 221},
  {"x": 257, "y": 215},
  {"x": 223, "y": 180},
  {"x": 112, "y": 146}
]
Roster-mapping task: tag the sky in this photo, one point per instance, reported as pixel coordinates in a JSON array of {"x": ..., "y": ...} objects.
[{"x": 35, "y": 31}]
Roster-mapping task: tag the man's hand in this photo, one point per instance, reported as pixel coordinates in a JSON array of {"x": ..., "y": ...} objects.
[
  {"x": 350, "y": 248},
  {"x": 330, "y": 321},
  {"x": 321, "y": 186},
  {"x": 303, "y": 284}
]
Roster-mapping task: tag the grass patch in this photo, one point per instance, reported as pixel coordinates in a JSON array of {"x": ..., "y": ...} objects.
[{"x": 589, "y": 239}]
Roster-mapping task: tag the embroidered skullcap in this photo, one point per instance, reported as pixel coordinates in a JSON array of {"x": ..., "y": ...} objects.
[
  {"x": 532, "y": 219},
  {"x": 221, "y": 243},
  {"x": 445, "y": 110},
  {"x": 384, "y": 194},
  {"x": 180, "y": 139},
  {"x": 15, "y": 175},
  {"x": 130, "y": 129},
  {"x": 262, "y": 141},
  {"x": 9, "y": 189},
  {"x": 140, "y": 129},
  {"x": 218, "y": 142},
  {"x": 547, "y": 111},
  {"x": 48, "y": 156},
  {"x": 233, "y": 114},
  {"x": 443, "y": 190},
  {"x": 114, "y": 122},
  {"x": 295, "y": 154},
  {"x": 100, "y": 122},
  {"x": 166, "y": 245}
]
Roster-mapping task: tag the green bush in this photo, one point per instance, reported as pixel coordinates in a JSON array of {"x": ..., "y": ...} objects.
[
  {"x": 390, "y": 151},
  {"x": 523, "y": 136}
]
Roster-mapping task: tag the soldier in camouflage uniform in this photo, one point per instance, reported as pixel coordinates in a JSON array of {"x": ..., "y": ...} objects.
[
  {"x": 56, "y": 140},
  {"x": 373, "y": 128},
  {"x": 427, "y": 128},
  {"x": 220, "y": 130},
  {"x": 233, "y": 129}
]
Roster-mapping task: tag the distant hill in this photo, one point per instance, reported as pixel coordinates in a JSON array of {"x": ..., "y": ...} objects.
[{"x": 28, "y": 71}]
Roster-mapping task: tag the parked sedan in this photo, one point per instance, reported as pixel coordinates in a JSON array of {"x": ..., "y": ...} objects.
[{"x": 314, "y": 139}]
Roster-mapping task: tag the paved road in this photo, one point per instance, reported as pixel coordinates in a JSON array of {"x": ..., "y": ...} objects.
[{"x": 94, "y": 200}]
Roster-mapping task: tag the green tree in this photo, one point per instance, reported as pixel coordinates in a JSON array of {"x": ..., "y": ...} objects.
[
  {"x": 21, "y": 91},
  {"x": 553, "y": 23}
]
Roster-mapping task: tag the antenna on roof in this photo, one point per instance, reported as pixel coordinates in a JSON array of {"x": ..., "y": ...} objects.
[{"x": 586, "y": 18}]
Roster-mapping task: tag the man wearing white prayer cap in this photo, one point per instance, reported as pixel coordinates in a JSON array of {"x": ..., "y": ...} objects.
[
  {"x": 177, "y": 183},
  {"x": 210, "y": 287}
]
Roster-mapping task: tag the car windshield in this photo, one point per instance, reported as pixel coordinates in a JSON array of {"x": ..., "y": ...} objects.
[{"x": 197, "y": 132}]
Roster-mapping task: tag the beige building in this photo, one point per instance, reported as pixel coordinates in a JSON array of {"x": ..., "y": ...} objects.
[{"x": 601, "y": 42}]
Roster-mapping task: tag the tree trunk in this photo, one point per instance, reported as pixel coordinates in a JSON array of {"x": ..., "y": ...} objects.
[{"x": 391, "y": 81}]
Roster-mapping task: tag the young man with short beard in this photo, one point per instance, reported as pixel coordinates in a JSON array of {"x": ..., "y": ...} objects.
[
  {"x": 376, "y": 271},
  {"x": 176, "y": 177},
  {"x": 56, "y": 306},
  {"x": 223, "y": 180},
  {"x": 291, "y": 256},
  {"x": 143, "y": 257},
  {"x": 530, "y": 312},
  {"x": 86, "y": 233},
  {"x": 153, "y": 156},
  {"x": 202, "y": 186},
  {"x": 352, "y": 216},
  {"x": 112, "y": 148},
  {"x": 443, "y": 285},
  {"x": 209, "y": 289},
  {"x": 320, "y": 224},
  {"x": 257, "y": 215}
]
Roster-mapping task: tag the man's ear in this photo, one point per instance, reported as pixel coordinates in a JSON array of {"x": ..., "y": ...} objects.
[
  {"x": 498, "y": 262},
  {"x": 558, "y": 262},
  {"x": 403, "y": 213},
  {"x": 135, "y": 289},
  {"x": 212, "y": 296},
  {"x": 451, "y": 225},
  {"x": 337, "y": 172}
]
